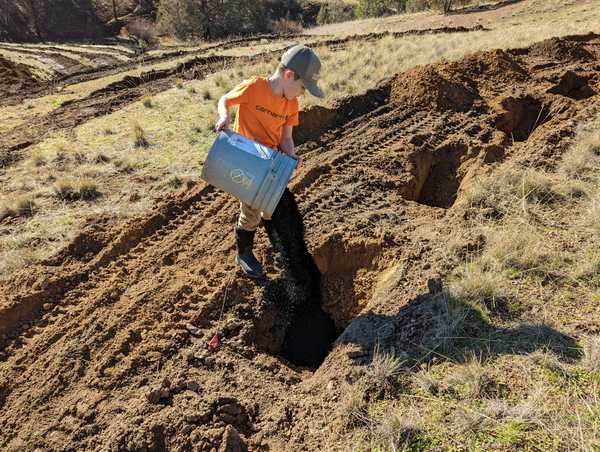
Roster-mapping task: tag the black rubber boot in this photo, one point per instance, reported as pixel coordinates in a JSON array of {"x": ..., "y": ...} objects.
[{"x": 245, "y": 258}]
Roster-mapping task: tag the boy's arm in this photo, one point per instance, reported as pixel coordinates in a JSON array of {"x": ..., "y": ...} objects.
[
  {"x": 287, "y": 144},
  {"x": 224, "y": 120}
]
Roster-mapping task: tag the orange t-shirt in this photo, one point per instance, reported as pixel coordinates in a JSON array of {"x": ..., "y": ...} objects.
[{"x": 262, "y": 115}]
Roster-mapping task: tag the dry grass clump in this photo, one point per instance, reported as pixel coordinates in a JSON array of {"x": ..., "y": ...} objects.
[
  {"x": 425, "y": 381},
  {"x": 206, "y": 94},
  {"x": 88, "y": 189},
  {"x": 67, "y": 190},
  {"x": 583, "y": 158},
  {"x": 516, "y": 246},
  {"x": 23, "y": 206},
  {"x": 64, "y": 189},
  {"x": 174, "y": 182},
  {"x": 39, "y": 158},
  {"x": 478, "y": 286},
  {"x": 470, "y": 379},
  {"x": 590, "y": 219},
  {"x": 449, "y": 322},
  {"x": 384, "y": 367},
  {"x": 512, "y": 191},
  {"x": 353, "y": 406},
  {"x": 138, "y": 135},
  {"x": 147, "y": 102},
  {"x": 591, "y": 354},
  {"x": 394, "y": 432}
]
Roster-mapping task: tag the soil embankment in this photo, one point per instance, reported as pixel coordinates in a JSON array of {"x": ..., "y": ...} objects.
[
  {"x": 106, "y": 346},
  {"x": 51, "y": 20}
]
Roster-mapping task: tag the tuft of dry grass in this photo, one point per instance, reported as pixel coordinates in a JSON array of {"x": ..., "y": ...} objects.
[
  {"x": 426, "y": 382},
  {"x": 353, "y": 405},
  {"x": 25, "y": 205},
  {"x": 516, "y": 246},
  {"x": 88, "y": 189},
  {"x": 138, "y": 135},
  {"x": 470, "y": 379},
  {"x": 39, "y": 158},
  {"x": 147, "y": 102},
  {"x": 384, "y": 367},
  {"x": 478, "y": 286},
  {"x": 64, "y": 189},
  {"x": 591, "y": 353},
  {"x": 512, "y": 191}
]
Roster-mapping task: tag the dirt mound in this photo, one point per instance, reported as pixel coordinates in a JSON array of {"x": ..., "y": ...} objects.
[
  {"x": 427, "y": 86},
  {"x": 107, "y": 348},
  {"x": 561, "y": 49},
  {"x": 14, "y": 78}
]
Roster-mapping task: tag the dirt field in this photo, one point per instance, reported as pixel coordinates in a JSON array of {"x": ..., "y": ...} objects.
[{"x": 105, "y": 345}]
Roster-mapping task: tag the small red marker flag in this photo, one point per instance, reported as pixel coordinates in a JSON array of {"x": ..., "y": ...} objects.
[{"x": 214, "y": 342}]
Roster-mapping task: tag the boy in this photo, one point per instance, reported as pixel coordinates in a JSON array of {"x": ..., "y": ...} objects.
[{"x": 268, "y": 111}]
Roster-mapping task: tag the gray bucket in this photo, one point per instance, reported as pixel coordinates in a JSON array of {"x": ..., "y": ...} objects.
[{"x": 253, "y": 173}]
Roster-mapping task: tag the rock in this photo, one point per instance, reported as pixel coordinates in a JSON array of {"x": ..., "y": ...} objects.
[
  {"x": 164, "y": 393},
  {"x": 192, "y": 386},
  {"x": 232, "y": 442},
  {"x": 47, "y": 306},
  {"x": 155, "y": 395}
]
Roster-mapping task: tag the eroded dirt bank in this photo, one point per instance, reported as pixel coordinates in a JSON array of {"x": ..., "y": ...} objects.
[{"x": 106, "y": 346}]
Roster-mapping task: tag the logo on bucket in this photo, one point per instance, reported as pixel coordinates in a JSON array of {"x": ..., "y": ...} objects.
[{"x": 238, "y": 176}]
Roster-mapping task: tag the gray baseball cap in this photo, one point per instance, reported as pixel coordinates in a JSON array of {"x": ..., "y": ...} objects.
[{"x": 304, "y": 62}]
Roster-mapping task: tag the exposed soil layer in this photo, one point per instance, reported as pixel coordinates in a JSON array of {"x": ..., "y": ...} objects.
[
  {"x": 105, "y": 347},
  {"x": 15, "y": 78},
  {"x": 51, "y": 20}
]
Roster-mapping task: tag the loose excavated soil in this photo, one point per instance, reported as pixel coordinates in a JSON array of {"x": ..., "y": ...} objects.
[{"x": 105, "y": 347}]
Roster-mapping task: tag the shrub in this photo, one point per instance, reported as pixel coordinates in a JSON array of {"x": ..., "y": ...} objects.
[
  {"x": 377, "y": 8},
  {"x": 143, "y": 31},
  {"x": 414, "y": 6},
  {"x": 335, "y": 11},
  {"x": 210, "y": 19},
  {"x": 285, "y": 26}
]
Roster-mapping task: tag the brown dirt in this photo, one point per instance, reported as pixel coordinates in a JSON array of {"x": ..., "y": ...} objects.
[
  {"x": 106, "y": 346},
  {"x": 15, "y": 78}
]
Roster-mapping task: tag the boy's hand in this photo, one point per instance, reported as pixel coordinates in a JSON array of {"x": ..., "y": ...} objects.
[
  {"x": 298, "y": 160},
  {"x": 222, "y": 123}
]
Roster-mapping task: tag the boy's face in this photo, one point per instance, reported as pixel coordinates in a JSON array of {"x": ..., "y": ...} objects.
[{"x": 292, "y": 88}]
